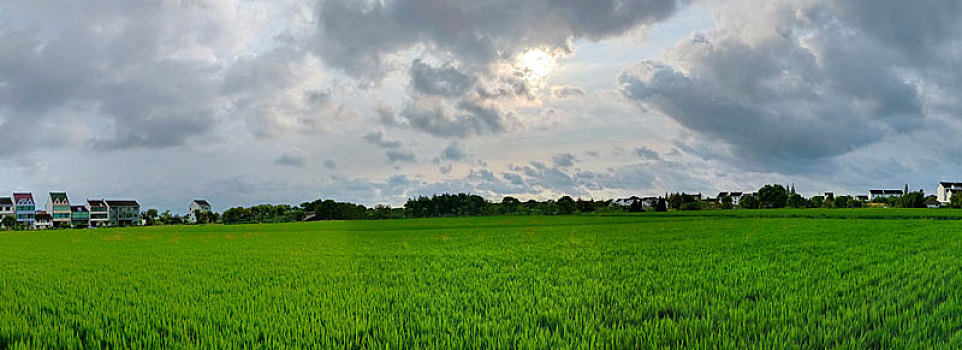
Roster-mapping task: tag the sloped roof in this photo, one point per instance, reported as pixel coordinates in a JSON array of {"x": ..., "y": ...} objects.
[
  {"x": 202, "y": 202},
  {"x": 122, "y": 203},
  {"x": 885, "y": 191},
  {"x": 6, "y": 201},
  {"x": 96, "y": 203},
  {"x": 59, "y": 197},
  {"x": 22, "y": 196},
  {"x": 730, "y": 194},
  {"x": 950, "y": 184}
]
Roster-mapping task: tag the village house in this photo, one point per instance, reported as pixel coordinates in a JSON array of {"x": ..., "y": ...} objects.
[
  {"x": 6, "y": 207},
  {"x": 58, "y": 206},
  {"x": 25, "y": 208},
  {"x": 946, "y": 190},
  {"x": 123, "y": 212},
  {"x": 42, "y": 220},
  {"x": 873, "y": 194},
  {"x": 79, "y": 216},
  {"x": 647, "y": 203},
  {"x": 198, "y": 205},
  {"x": 736, "y": 196},
  {"x": 98, "y": 212}
]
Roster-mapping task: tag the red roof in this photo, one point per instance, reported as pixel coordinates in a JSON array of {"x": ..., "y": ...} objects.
[{"x": 17, "y": 197}]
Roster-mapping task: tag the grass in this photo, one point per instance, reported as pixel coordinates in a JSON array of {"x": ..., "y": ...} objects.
[{"x": 737, "y": 279}]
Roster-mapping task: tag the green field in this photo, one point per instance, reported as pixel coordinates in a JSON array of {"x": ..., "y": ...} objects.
[{"x": 722, "y": 279}]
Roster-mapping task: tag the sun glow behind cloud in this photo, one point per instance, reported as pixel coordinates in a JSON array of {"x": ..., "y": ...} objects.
[{"x": 535, "y": 65}]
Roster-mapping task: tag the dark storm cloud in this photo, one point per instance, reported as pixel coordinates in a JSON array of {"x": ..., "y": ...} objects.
[
  {"x": 446, "y": 80},
  {"x": 798, "y": 84},
  {"x": 437, "y": 117},
  {"x": 357, "y": 36},
  {"x": 111, "y": 60}
]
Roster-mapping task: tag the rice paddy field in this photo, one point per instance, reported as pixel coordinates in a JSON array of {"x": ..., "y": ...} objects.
[{"x": 868, "y": 278}]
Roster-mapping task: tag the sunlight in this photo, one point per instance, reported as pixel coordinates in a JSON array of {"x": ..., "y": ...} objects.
[{"x": 536, "y": 63}]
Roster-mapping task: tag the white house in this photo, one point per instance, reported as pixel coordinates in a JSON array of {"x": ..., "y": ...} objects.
[
  {"x": 646, "y": 202},
  {"x": 945, "y": 191},
  {"x": 736, "y": 196},
  {"x": 99, "y": 213},
  {"x": 43, "y": 220},
  {"x": 6, "y": 207},
  {"x": 198, "y": 205},
  {"x": 621, "y": 202},
  {"x": 873, "y": 194}
]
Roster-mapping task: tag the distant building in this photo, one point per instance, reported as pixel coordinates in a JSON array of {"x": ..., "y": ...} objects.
[
  {"x": 946, "y": 190},
  {"x": 647, "y": 203},
  {"x": 6, "y": 207},
  {"x": 58, "y": 206},
  {"x": 98, "y": 211},
  {"x": 873, "y": 194},
  {"x": 933, "y": 204},
  {"x": 42, "y": 220},
  {"x": 123, "y": 212},
  {"x": 25, "y": 208},
  {"x": 198, "y": 205},
  {"x": 862, "y": 198},
  {"x": 736, "y": 196},
  {"x": 625, "y": 202},
  {"x": 79, "y": 216}
]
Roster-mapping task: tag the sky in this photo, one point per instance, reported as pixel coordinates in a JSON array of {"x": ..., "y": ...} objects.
[{"x": 246, "y": 102}]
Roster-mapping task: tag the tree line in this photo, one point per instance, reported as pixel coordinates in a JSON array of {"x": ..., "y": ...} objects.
[
  {"x": 443, "y": 205},
  {"x": 771, "y": 196},
  {"x": 776, "y": 196}
]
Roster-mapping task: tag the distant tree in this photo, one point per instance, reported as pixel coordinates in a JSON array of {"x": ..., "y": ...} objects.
[
  {"x": 9, "y": 222},
  {"x": 843, "y": 202},
  {"x": 748, "y": 202},
  {"x": 795, "y": 200},
  {"x": 509, "y": 205},
  {"x": 566, "y": 205},
  {"x": 636, "y": 207},
  {"x": 726, "y": 202},
  {"x": 955, "y": 201},
  {"x": 678, "y": 201},
  {"x": 662, "y": 205},
  {"x": 151, "y": 216},
  {"x": 816, "y": 202},
  {"x": 914, "y": 200},
  {"x": 586, "y": 206},
  {"x": 675, "y": 201},
  {"x": 772, "y": 197},
  {"x": 203, "y": 217},
  {"x": 694, "y": 205},
  {"x": 829, "y": 201}
]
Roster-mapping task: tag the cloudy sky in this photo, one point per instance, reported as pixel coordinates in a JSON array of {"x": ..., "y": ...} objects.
[{"x": 373, "y": 101}]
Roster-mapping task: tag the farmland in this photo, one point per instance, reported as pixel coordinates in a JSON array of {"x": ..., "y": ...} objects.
[{"x": 724, "y": 279}]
